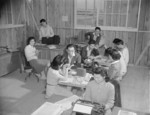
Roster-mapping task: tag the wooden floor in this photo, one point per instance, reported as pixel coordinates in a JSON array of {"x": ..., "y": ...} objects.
[{"x": 22, "y": 98}]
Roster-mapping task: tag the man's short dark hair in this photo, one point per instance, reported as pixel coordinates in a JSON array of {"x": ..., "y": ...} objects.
[
  {"x": 69, "y": 46},
  {"x": 42, "y": 20},
  {"x": 118, "y": 41},
  {"x": 98, "y": 28}
]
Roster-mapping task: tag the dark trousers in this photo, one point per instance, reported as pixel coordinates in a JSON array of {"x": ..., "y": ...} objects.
[
  {"x": 117, "y": 93},
  {"x": 51, "y": 40}
]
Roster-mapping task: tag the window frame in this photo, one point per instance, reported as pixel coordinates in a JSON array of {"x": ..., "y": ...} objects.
[{"x": 113, "y": 28}]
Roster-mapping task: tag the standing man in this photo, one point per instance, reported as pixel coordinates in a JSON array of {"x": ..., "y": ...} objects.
[{"x": 47, "y": 34}]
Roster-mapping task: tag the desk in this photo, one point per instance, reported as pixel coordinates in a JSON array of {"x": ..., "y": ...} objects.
[{"x": 49, "y": 54}]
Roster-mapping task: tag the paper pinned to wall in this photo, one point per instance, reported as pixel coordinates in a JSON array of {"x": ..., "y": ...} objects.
[{"x": 64, "y": 18}]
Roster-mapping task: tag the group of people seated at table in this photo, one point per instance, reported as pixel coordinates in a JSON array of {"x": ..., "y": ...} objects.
[{"x": 112, "y": 66}]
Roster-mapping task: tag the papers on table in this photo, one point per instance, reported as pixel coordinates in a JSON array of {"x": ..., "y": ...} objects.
[
  {"x": 123, "y": 112},
  {"x": 82, "y": 108},
  {"x": 48, "y": 109},
  {"x": 56, "y": 108},
  {"x": 67, "y": 102},
  {"x": 51, "y": 46}
]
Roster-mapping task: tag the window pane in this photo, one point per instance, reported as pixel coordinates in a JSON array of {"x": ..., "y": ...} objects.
[
  {"x": 116, "y": 6},
  {"x": 108, "y": 6},
  {"x": 101, "y": 5},
  {"x": 133, "y": 13},
  {"x": 80, "y": 18},
  {"x": 124, "y": 4},
  {"x": 90, "y": 4},
  {"x": 101, "y": 20},
  {"x": 108, "y": 19},
  {"x": 81, "y": 4},
  {"x": 90, "y": 18},
  {"x": 115, "y": 20},
  {"x": 122, "y": 21}
]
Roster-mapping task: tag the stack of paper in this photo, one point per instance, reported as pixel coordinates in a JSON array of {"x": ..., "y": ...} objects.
[
  {"x": 67, "y": 102},
  {"x": 48, "y": 109},
  {"x": 123, "y": 112}
]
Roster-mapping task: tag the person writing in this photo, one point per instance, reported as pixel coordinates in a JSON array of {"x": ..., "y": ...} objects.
[
  {"x": 46, "y": 34},
  {"x": 57, "y": 71}
]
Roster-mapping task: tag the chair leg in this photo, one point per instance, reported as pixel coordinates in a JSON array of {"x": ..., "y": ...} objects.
[
  {"x": 37, "y": 77},
  {"x": 28, "y": 76}
]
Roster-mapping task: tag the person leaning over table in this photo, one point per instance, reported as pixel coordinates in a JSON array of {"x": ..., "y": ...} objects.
[
  {"x": 124, "y": 52},
  {"x": 47, "y": 34},
  {"x": 31, "y": 53},
  {"x": 55, "y": 73},
  {"x": 114, "y": 73},
  {"x": 73, "y": 58}
]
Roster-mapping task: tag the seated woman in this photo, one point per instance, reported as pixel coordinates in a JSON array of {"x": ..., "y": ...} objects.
[
  {"x": 100, "y": 91},
  {"x": 31, "y": 53},
  {"x": 55, "y": 74}
]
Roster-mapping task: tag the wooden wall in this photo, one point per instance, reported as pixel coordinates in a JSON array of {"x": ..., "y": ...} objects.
[
  {"x": 55, "y": 10},
  {"x": 12, "y": 24}
]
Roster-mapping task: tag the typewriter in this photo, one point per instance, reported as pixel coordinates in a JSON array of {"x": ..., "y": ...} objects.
[{"x": 84, "y": 107}]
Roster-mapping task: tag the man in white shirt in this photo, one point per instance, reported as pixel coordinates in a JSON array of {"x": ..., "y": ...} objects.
[
  {"x": 119, "y": 44},
  {"x": 47, "y": 35}
]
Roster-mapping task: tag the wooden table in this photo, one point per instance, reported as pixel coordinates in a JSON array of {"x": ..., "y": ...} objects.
[{"x": 49, "y": 54}]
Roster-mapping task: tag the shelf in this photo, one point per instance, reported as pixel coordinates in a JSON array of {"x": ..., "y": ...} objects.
[{"x": 11, "y": 26}]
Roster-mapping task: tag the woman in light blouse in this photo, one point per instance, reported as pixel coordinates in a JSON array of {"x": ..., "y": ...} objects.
[
  {"x": 31, "y": 53},
  {"x": 57, "y": 71}
]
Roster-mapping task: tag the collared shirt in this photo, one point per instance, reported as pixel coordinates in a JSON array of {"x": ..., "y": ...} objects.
[
  {"x": 69, "y": 59},
  {"x": 125, "y": 54},
  {"x": 46, "y": 31},
  {"x": 95, "y": 36},
  {"x": 30, "y": 52},
  {"x": 88, "y": 51}
]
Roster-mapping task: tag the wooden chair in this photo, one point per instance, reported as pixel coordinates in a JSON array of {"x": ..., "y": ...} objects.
[{"x": 26, "y": 68}]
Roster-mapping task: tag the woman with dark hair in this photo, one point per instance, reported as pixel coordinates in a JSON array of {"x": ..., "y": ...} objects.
[
  {"x": 31, "y": 53},
  {"x": 100, "y": 91},
  {"x": 55, "y": 74}
]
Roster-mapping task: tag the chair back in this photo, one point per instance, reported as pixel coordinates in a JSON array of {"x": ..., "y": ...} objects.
[{"x": 24, "y": 63}]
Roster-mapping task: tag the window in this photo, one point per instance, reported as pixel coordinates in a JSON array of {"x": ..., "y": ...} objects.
[{"x": 107, "y": 13}]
